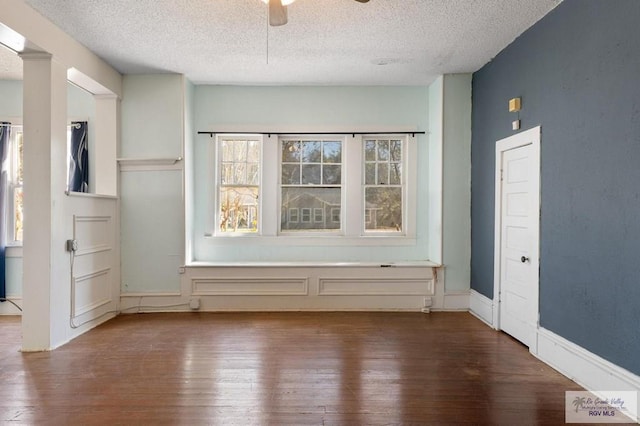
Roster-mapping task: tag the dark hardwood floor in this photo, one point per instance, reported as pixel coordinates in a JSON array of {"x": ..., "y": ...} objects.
[{"x": 281, "y": 369}]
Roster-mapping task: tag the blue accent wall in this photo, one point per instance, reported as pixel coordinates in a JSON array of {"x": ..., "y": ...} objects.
[{"x": 578, "y": 73}]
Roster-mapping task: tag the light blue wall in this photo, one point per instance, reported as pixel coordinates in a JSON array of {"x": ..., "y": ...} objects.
[
  {"x": 456, "y": 221},
  {"x": 13, "y": 276},
  {"x": 152, "y": 107},
  {"x": 152, "y": 230},
  {"x": 10, "y": 98},
  {"x": 226, "y": 108},
  {"x": 151, "y": 200}
]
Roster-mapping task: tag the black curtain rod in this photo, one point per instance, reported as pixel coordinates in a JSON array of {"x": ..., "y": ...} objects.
[{"x": 413, "y": 134}]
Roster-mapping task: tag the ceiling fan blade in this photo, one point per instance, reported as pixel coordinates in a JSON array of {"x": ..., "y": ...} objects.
[
  {"x": 277, "y": 13},
  {"x": 363, "y": 1}
]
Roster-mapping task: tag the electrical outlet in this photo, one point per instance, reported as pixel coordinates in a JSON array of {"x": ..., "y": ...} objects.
[
  {"x": 194, "y": 303},
  {"x": 72, "y": 245}
]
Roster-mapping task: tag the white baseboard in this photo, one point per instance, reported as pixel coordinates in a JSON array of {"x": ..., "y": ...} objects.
[
  {"x": 7, "y": 308},
  {"x": 582, "y": 366},
  {"x": 239, "y": 303},
  {"x": 131, "y": 303},
  {"x": 481, "y": 307},
  {"x": 458, "y": 301}
]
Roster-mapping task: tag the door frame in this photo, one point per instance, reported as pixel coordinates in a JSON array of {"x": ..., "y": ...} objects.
[{"x": 527, "y": 137}]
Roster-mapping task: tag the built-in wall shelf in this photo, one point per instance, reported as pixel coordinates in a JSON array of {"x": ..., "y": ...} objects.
[
  {"x": 90, "y": 195},
  {"x": 133, "y": 164}
]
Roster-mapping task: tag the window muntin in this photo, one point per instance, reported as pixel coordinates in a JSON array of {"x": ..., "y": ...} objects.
[
  {"x": 238, "y": 185},
  {"x": 311, "y": 181},
  {"x": 383, "y": 185}
]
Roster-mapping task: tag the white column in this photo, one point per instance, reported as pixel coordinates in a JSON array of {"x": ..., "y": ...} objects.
[
  {"x": 45, "y": 280},
  {"x": 106, "y": 134}
]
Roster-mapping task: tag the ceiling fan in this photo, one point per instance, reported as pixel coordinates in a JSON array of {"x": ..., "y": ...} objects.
[{"x": 278, "y": 11}]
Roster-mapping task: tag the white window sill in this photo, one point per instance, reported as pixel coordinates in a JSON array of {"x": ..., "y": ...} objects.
[
  {"x": 13, "y": 251},
  {"x": 403, "y": 264},
  {"x": 319, "y": 241}
]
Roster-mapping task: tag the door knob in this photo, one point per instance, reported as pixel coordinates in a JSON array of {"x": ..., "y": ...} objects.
[{"x": 524, "y": 259}]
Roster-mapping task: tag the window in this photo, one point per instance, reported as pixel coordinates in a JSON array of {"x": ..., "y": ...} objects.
[
  {"x": 15, "y": 222},
  {"x": 306, "y": 215},
  {"x": 318, "y": 215},
  {"x": 311, "y": 179},
  {"x": 238, "y": 185},
  {"x": 335, "y": 215},
  {"x": 15, "y": 175},
  {"x": 334, "y": 190},
  {"x": 383, "y": 186},
  {"x": 293, "y": 215}
]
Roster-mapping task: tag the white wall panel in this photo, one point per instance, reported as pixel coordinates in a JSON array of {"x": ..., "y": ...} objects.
[
  {"x": 250, "y": 286},
  {"x": 95, "y": 268},
  {"x": 91, "y": 291},
  {"x": 375, "y": 287}
]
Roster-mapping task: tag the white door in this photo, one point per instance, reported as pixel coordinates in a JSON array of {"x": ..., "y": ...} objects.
[{"x": 518, "y": 184}]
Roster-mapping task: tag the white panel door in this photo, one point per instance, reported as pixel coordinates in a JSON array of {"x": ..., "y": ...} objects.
[{"x": 519, "y": 202}]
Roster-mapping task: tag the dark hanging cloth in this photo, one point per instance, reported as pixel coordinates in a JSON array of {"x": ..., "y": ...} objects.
[{"x": 79, "y": 161}]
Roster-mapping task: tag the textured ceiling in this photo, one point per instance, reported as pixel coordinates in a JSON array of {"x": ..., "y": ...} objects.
[{"x": 326, "y": 42}]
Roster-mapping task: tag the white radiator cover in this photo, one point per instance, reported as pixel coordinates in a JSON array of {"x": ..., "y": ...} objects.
[{"x": 307, "y": 287}]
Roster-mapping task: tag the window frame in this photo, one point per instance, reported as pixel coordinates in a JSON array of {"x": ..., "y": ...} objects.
[
  {"x": 13, "y": 184},
  {"x": 216, "y": 178},
  {"x": 368, "y": 213},
  {"x": 312, "y": 210},
  {"x": 352, "y": 232}
]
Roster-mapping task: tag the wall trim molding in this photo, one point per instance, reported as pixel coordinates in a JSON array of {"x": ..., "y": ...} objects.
[
  {"x": 375, "y": 287},
  {"x": 455, "y": 301},
  {"x": 273, "y": 289},
  {"x": 587, "y": 369},
  {"x": 137, "y": 295},
  {"x": 90, "y": 304},
  {"x": 250, "y": 286},
  {"x": 481, "y": 307}
]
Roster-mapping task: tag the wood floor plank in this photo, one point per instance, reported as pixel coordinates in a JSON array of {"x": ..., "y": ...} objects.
[{"x": 281, "y": 369}]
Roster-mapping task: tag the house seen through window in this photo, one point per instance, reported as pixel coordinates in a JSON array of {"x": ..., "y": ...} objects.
[{"x": 311, "y": 184}]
